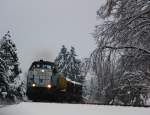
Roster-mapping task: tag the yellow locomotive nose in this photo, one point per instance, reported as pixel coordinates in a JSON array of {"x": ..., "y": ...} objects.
[{"x": 49, "y": 86}]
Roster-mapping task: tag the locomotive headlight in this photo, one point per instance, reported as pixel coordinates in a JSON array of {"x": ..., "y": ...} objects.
[
  {"x": 33, "y": 85},
  {"x": 49, "y": 86},
  {"x": 43, "y": 70}
]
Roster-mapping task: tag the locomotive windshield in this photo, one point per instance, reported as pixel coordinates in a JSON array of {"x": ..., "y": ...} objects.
[
  {"x": 40, "y": 73},
  {"x": 42, "y": 65}
]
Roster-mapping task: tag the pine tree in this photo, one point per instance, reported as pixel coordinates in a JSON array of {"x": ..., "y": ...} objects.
[
  {"x": 3, "y": 75},
  {"x": 61, "y": 61},
  {"x": 69, "y": 65},
  {"x": 74, "y": 66},
  {"x": 9, "y": 65},
  {"x": 4, "y": 78},
  {"x": 9, "y": 50}
]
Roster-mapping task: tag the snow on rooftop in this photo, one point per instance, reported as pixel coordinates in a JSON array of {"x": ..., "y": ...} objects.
[{"x": 27, "y": 108}]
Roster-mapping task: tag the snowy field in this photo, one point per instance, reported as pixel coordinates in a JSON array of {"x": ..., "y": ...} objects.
[{"x": 27, "y": 108}]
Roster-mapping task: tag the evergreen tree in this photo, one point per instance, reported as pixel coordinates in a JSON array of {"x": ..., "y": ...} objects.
[
  {"x": 74, "y": 67},
  {"x": 9, "y": 66},
  {"x": 3, "y": 75},
  {"x": 61, "y": 61},
  {"x": 68, "y": 64},
  {"x": 8, "y": 48}
]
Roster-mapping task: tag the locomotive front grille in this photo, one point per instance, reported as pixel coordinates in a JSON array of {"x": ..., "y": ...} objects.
[{"x": 40, "y": 77}]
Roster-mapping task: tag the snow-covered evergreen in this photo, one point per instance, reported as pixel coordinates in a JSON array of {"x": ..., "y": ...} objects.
[
  {"x": 74, "y": 66},
  {"x": 9, "y": 68},
  {"x": 62, "y": 60},
  {"x": 69, "y": 65}
]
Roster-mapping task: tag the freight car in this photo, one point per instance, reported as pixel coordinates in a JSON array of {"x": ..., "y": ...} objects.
[{"x": 44, "y": 82}]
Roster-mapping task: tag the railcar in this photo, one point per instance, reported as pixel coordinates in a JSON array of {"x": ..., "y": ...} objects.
[{"x": 44, "y": 82}]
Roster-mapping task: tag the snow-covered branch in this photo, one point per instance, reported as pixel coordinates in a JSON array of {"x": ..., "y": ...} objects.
[{"x": 127, "y": 47}]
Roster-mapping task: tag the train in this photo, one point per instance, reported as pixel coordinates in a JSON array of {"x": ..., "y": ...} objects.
[{"x": 44, "y": 82}]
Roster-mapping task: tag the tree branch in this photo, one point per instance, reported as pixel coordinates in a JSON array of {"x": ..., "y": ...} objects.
[{"x": 126, "y": 47}]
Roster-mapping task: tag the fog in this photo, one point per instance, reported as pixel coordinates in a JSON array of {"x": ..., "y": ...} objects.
[{"x": 40, "y": 27}]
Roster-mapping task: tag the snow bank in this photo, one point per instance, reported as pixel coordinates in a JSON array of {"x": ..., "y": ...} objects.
[
  {"x": 27, "y": 108},
  {"x": 1, "y": 106},
  {"x": 148, "y": 102}
]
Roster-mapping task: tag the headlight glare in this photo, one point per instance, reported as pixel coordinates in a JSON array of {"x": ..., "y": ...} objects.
[
  {"x": 49, "y": 86},
  {"x": 33, "y": 85}
]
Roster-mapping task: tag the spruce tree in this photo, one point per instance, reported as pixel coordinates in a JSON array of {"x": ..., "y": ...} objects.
[
  {"x": 74, "y": 66},
  {"x": 3, "y": 75},
  {"x": 9, "y": 65},
  {"x": 69, "y": 65},
  {"x": 9, "y": 50},
  {"x": 62, "y": 60}
]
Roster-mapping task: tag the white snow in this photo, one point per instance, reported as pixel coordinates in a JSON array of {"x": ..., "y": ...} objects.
[
  {"x": 74, "y": 82},
  {"x": 1, "y": 106},
  {"x": 148, "y": 102},
  {"x": 144, "y": 7},
  {"x": 29, "y": 108}
]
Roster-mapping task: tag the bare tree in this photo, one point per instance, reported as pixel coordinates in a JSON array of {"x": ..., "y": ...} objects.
[{"x": 123, "y": 49}]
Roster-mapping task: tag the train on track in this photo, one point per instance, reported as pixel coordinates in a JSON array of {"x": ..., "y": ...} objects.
[{"x": 44, "y": 82}]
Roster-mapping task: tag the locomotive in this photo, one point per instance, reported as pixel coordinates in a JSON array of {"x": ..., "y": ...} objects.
[{"x": 46, "y": 83}]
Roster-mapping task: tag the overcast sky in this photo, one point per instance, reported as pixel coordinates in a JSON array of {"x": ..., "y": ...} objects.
[{"x": 40, "y": 27}]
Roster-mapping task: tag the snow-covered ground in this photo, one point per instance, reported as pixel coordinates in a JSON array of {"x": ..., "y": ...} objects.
[{"x": 29, "y": 108}]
